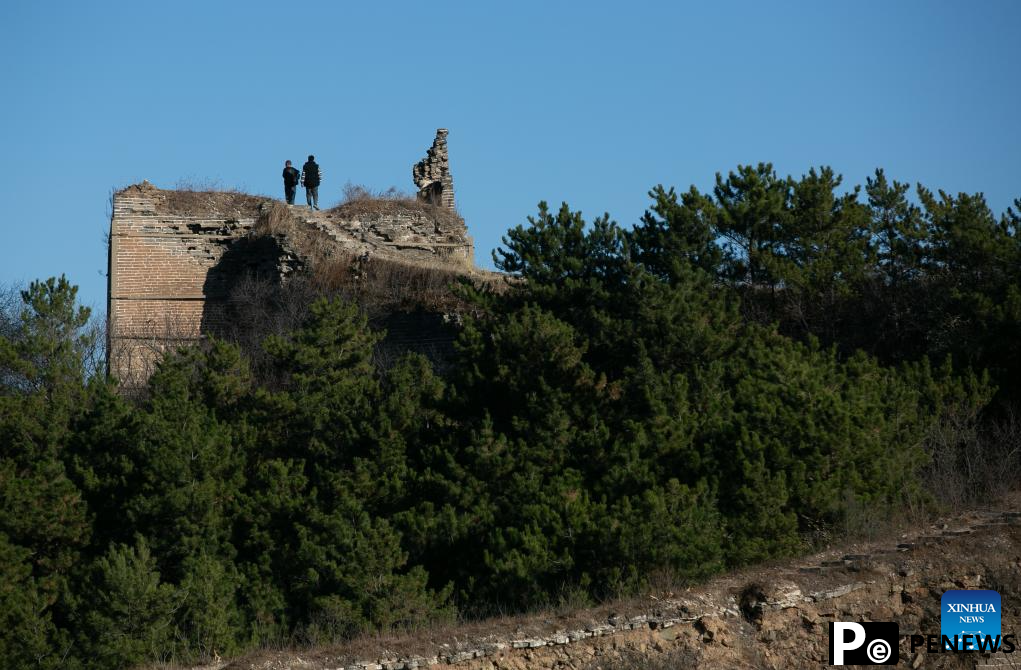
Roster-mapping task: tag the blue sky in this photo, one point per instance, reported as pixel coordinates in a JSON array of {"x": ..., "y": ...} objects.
[{"x": 592, "y": 103}]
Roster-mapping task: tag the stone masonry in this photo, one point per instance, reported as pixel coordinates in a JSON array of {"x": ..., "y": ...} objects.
[
  {"x": 174, "y": 255},
  {"x": 432, "y": 174}
]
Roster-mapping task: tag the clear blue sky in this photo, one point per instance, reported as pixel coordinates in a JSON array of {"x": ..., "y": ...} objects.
[{"x": 592, "y": 103}]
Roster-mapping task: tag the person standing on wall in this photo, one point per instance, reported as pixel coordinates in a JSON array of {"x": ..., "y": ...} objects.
[
  {"x": 291, "y": 177},
  {"x": 311, "y": 175}
]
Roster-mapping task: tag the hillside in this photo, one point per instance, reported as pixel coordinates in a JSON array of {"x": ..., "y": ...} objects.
[
  {"x": 638, "y": 409},
  {"x": 773, "y": 616}
]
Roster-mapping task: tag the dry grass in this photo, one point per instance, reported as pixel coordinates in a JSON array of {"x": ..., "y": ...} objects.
[
  {"x": 377, "y": 283},
  {"x": 275, "y": 219},
  {"x": 434, "y": 638},
  {"x": 382, "y": 285},
  {"x": 313, "y": 245},
  {"x": 360, "y": 201},
  {"x": 974, "y": 457},
  {"x": 200, "y": 199}
]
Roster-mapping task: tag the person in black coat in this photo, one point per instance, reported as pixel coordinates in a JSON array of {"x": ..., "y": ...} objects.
[
  {"x": 311, "y": 177},
  {"x": 291, "y": 177}
]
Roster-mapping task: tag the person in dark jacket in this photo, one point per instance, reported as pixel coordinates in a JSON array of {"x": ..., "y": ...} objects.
[
  {"x": 291, "y": 177},
  {"x": 311, "y": 176}
]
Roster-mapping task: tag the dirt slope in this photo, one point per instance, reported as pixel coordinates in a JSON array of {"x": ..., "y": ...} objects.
[{"x": 769, "y": 617}]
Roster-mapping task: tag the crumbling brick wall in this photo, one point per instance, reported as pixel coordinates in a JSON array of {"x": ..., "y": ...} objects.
[
  {"x": 174, "y": 256},
  {"x": 163, "y": 288}
]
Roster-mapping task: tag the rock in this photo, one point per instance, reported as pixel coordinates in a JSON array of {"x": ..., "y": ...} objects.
[
  {"x": 783, "y": 595},
  {"x": 833, "y": 593}
]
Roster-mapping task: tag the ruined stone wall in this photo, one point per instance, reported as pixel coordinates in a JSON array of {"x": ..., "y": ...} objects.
[
  {"x": 773, "y": 618},
  {"x": 175, "y": 255}
]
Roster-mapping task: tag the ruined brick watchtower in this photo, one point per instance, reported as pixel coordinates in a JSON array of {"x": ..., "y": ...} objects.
[
  {"x": 175, "y": 256},
  {"x": 432, "y": 174}
]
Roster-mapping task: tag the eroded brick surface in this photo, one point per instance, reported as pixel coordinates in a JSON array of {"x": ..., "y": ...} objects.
[{"x": 175, "y": 255}]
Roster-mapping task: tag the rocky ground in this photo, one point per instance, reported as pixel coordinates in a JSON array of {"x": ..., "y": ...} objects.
[{"x": 770, "y": 617}]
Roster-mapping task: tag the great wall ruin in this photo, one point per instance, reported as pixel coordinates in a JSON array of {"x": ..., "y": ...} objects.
[
  {"x": 176, "y": 260},
  {"x": 175, "y": 256}
]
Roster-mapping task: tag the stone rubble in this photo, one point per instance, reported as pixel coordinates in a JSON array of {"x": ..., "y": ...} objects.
[{"x": 783, "y": 595}]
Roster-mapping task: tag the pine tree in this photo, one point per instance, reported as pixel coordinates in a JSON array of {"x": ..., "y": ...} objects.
[{"x": 43, "y": 522}]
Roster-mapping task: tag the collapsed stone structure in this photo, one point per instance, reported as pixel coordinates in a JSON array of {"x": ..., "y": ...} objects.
[
  {"x": 176, "y": 256},
  {"x": 432, "y": 174}
]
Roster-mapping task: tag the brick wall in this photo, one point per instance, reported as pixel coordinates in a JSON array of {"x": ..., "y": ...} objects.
[
  {"x": 174, "y": 257},
  {"x": 159, "y": 286}
]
